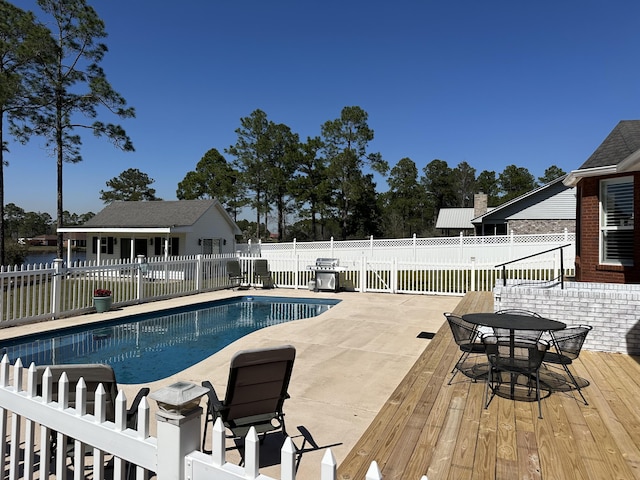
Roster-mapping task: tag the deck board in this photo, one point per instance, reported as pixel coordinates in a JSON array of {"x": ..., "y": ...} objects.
[{"x": 443, "y": 431}]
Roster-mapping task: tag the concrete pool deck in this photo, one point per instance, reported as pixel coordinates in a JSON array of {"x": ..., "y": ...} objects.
[{"x": 349, "y": 360}]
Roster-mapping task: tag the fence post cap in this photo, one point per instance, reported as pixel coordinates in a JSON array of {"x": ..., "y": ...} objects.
[{"x": 179, "y": 398}]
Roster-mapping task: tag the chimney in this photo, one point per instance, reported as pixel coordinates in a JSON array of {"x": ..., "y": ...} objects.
[{"x": 480, "y": 201}]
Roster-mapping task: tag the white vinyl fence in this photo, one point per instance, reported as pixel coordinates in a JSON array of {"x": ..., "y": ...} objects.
[
  {"x": 441, "y": 266},
  {"x": 31, "y": 423},
  {"x": 452, "y": 250}
]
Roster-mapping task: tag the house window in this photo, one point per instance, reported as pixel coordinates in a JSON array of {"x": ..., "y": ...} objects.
[
  {"x": 174, "y": 246},
  {"x": 210, "y": 245},
  {"x": 616, "y": 221},
  {"x": 106, "y": 245}
]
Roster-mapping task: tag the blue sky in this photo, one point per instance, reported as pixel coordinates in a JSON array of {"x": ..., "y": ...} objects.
[{"x": 490, "y": 83}]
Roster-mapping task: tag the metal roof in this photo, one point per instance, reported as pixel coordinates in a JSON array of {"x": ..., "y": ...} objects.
[{"x": 455, "y": 218}]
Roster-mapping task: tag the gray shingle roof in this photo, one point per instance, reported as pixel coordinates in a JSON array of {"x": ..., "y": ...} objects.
[
  {"x": 623, "y": 140},
  {"x": 150, "y": 214}
]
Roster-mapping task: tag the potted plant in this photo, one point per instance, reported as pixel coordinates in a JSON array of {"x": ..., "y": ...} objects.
[{"x": 102, "y": 299}]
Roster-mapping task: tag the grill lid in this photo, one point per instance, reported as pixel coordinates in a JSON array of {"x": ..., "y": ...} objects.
[{"x": 327, "y": 262}]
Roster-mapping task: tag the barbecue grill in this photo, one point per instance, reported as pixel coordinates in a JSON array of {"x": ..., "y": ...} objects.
[{"x": 327, "y": 273}]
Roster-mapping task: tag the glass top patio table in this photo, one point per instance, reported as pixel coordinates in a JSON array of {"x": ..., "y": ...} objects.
[{"x": 512, "y": 321}]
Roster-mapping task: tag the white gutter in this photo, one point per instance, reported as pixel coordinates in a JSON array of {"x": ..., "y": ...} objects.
[
  {"x": 576, "y": 175},
  {"x": 115, "y": 230}
]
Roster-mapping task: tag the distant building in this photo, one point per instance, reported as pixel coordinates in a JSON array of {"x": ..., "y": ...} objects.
[
  {"x": 124, "y": 230},
  {"x": 550, "y": 208},
  {"x": 43, "y": 241}
]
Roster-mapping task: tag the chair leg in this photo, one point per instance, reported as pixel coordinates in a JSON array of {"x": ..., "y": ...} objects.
[
  {"x": 207, "y": 419},
  {"x": 575, "y": 382},
  {"x": 487, "y": 385},
  {"x": 204, "y": 438},
  {"x": 538, "y": 395},
  {"x": 455, "y": 368}
]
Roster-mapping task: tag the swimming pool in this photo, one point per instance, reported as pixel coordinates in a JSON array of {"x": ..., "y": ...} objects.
[{"x": 149, "y": 347}]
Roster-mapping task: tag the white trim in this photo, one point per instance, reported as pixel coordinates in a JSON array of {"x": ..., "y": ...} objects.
[
  {"x": 117, "y": 230},
  {"x": 601, "y": 217},
  {"x": 631, "y": 163},
  {"x": 576, "y": 175}
]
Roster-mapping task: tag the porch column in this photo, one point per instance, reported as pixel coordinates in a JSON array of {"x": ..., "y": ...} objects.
[{"x": 68, "y": 251}]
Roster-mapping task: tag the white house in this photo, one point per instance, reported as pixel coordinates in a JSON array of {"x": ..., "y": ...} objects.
[{"x": 124, "y": 230}]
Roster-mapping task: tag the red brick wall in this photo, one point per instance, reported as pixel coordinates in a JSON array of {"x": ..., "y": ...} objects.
[{"x": 588, "y": 267}]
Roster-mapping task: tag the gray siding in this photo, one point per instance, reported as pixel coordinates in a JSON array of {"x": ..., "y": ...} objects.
[{"x": 562, "y": 206}]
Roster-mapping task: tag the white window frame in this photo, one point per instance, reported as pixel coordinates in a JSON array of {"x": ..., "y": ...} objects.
[
  {"x": 622, "y": 225},
  {"x": 210, "y": 246}
]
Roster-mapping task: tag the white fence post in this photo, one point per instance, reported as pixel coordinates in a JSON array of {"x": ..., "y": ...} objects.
[
  {"x": 415, "y": 247},
  {"x": 328, "y": 466},
  {"x": 512, "y": 240},
  {"x": 140, "y": 276},
  {"x": 374, "y": 472},
  {"x": 178, "y": 427},
  {"x": 56, "y": 287},
  {"x": 473, "y": 274},
  {"x": 394, "y": 276},
  {"x": 199, "y": 270},
  {"x": 363, "y": 274}
]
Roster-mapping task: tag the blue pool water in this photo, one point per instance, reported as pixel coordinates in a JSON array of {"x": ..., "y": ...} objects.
[{"x": 145, "y": 348}]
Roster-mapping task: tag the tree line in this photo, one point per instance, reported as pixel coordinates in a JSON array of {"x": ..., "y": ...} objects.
[{"x": 323, "y": 187}]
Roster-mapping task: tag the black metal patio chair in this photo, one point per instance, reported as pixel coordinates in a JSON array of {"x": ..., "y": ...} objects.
[
  {"x": 515, "y": 357},
  {"x": 466, "y": 337},
  {"x": 567, "y": 345}
]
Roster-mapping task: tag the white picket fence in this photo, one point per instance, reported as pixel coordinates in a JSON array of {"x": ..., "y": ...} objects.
[
  {"x": 411, "y": 266},
  {"x": 29, "y": 421}
]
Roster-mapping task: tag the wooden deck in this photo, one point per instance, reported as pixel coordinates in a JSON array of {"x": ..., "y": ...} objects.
[{"x": 430, "y": 428}]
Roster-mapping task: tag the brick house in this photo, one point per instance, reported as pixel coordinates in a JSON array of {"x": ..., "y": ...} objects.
[
  {"x": 549, "y": 208},
  {"x": 607, "y": 199}
]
